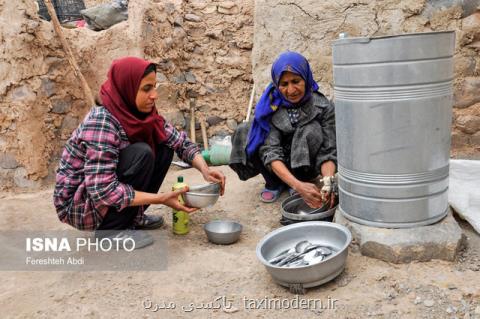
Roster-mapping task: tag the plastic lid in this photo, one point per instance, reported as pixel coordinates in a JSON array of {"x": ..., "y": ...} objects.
[{"x": 180, "y": 179}]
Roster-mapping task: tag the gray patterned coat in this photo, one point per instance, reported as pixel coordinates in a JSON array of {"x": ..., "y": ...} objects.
[{"x": 309, "y": 143}]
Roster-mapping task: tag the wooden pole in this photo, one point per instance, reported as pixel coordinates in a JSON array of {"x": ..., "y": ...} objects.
[
  {"x": 250, "y": 103},
  {"x": 192, "y": 120},
  {"x": 203, "y": 126},
  {"x": 68, "y": 52}
]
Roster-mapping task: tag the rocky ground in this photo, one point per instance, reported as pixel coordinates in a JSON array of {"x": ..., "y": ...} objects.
[{"x": 200, "y": 272}]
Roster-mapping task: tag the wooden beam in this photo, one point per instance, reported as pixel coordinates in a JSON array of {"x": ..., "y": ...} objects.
[
  {"x": 71, "y": 59},
  {"x": 203, "y": 126},
  {"x": 192, "y": 120},
  {"x": 250, "y": 104}
]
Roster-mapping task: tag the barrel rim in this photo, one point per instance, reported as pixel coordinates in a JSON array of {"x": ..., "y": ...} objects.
[
  {"x": 353, "y": 40},
  {"x": 378, "y": 224}
]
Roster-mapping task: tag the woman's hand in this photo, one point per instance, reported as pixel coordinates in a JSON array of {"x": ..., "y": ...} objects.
[
  {"x": 310, "y": 194},
  {"x": 214, "y": 176},
  {"x": 209, "y": 174},
  {"x": 170, "y": 199}
]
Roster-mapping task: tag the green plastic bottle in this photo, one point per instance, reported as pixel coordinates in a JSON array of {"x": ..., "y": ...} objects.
[
  {"x": 218, "y": 154},
  {"x": 180, "y": 218},
  {"x": 206, "y": 156}
]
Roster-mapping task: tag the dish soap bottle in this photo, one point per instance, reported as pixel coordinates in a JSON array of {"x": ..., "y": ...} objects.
[{"x": 180, "y": 218}]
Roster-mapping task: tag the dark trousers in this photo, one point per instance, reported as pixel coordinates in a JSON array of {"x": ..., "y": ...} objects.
[
  {"x": 144, "y": 172},
  {"x": 272, "y": 181}
]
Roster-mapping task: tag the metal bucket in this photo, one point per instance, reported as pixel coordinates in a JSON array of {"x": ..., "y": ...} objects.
[{"x": 393, "y": 105}]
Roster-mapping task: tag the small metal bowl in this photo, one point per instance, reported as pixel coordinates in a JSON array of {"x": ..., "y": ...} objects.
[
  {"x": 202, "y": 195},
  {"x": 198, "y": 200},
  {"x": 223, "y": 232},
  {"x": 211, "y": 188}
]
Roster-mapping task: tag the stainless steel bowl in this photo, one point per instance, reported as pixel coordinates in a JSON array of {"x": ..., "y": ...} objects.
[
  {"x": 199, "y": 200},
  {"x": 295, "y": 208},
  {"x": 322, "y": 233},
  {"x": 202, "y": 195},
  {"x": 212, "y": 188},
  {"x": 223, "y": 232}
]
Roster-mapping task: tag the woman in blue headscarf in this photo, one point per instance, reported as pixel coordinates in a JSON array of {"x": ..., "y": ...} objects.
[{"x": 292, "y": 138}]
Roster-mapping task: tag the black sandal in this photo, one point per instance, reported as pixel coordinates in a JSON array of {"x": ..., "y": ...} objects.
[{"x": 151, "y": 222}]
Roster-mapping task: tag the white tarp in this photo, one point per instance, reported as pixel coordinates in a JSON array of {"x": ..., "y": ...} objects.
[{"x": 464, "y": 190}]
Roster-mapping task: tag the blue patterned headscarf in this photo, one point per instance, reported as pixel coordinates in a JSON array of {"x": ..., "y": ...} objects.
[{"x": 272, "y": 99}]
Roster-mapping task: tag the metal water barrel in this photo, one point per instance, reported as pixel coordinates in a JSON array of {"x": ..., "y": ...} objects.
[{"x": 393, "y": 108}]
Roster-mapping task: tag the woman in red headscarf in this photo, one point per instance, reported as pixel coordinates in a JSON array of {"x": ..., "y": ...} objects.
[{"x": 115, "y": 161}]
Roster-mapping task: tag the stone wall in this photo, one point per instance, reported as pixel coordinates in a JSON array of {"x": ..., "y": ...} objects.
[
  {"x": 310, "y": 26},
  {"x": 205, "y": 56},
  {"x": 34, "y": 105},
  {"x": 203, "y": 48}
]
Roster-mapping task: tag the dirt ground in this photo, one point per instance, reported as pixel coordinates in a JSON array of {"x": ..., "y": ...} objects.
[{"x": 200, "y": 272}]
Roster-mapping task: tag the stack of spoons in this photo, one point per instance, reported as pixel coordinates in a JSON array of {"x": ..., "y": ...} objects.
[{"x": 304, "y": 253}]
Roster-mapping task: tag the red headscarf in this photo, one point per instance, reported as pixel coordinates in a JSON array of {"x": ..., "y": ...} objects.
[{"x": 118, "y": 95}]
